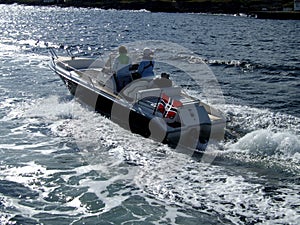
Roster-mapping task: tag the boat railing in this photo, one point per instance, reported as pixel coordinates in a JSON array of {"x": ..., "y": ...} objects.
[
  {"x": 72, "y": 71},
  {"x": 189, "y": 102},
  {"x": 77, "y": 73},
  {"x": 52, "y": 53},
  {"x": 84, "y": 77}
]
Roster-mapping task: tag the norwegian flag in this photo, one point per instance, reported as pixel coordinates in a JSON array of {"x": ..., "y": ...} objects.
[{"x": 168, "y": 106}]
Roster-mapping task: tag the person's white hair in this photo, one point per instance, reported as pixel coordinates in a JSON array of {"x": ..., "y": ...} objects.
[{"x": 147, "y": 53}]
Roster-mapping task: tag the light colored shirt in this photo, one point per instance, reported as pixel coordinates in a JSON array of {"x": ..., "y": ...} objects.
[{"x": 121, "y": 61}]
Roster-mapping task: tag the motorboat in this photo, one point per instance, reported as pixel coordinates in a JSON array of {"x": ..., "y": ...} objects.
[{"x": 165, "y": 112}]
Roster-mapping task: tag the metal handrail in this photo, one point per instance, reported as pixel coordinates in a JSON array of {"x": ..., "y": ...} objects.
[
  {"x": 55, "y": 56},
  {"x": 53, "y": 53}
]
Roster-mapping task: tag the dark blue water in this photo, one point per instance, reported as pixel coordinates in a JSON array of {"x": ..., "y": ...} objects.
[{"x": 63, "y": 164}]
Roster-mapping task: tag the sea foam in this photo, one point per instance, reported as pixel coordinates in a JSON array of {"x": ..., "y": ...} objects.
[{"x": 269, "y": 143}]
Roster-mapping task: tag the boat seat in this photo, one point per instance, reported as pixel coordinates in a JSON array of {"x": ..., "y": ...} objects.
[
  {"x": 156, "y": 92},
  {"x": 136, "y": 86},
  {"x": 172, "y": 91}
]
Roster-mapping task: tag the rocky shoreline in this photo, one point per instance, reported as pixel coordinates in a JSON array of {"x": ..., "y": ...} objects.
[{"x": 271, "y": 9}]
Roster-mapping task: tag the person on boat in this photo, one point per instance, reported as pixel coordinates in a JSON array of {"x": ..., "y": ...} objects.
[
  {"x": 121, "y": 68},
  {"x": 146, "y": 66},
  {"x": 162, "y": 81},
  {"x": 122, "y": 60}
]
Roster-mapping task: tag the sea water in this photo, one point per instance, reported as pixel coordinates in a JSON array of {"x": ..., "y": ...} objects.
[{"x": 61, "y": 163}]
